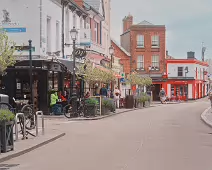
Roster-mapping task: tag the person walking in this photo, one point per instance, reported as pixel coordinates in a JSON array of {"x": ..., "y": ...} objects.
[
  {"x": 210, "y": 96},
  {"x": 162, "y": 96},
  {"x": 117, "y": 96}
]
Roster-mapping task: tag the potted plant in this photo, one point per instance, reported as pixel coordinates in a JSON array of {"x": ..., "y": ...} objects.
[
  {"x": 106, "y": 104},
  {"x": 91, "y": 106},
  {"x": 112, "y": 105},
  {"x": 139, "y": 102},
  {"x": 6, "y": 130},
  {"x": 147, "y": 102}
]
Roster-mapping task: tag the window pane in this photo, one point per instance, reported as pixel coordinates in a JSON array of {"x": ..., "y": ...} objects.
[
  {"x": 180, "y": 71},
  {"x": 140, "y": 41}
]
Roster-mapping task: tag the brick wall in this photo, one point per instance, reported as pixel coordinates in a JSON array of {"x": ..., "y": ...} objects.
[
  {"x": 125, "y": 59},
  {"x": 148, "y": 51}
]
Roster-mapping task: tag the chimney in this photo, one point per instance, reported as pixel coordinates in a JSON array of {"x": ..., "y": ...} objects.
[
  {"x": 79, "y": 2},
  {"x": 190, "y": 55},
  {"x": 127, "y": 22}
]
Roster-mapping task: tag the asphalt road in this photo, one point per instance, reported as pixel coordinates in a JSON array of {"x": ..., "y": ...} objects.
[{"x": 168, "y": 137}]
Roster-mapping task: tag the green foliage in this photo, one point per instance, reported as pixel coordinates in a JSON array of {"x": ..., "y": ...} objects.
[
  {"x": 93, "y": 74},
  {"x": 106, "y": 102},
  {"x": 143, "y": 98},
  {"x": 91, "y": 101},
  {"x": 6, "y": 115},
  {"x": 137, "y": 79},
  {"x": 6, "y": 52}
]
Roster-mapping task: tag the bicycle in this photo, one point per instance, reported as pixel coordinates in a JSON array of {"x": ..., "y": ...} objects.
[
  {"x": 27, "y": 109},
  {"x": 68, "y": 110}
]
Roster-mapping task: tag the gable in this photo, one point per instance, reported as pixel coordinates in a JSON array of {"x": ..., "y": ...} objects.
[{"x": 98, "y": 5}]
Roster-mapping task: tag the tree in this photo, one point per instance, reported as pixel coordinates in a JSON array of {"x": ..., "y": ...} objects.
[
  {"x": 6, "y": 52},
  {"x": 136, "y": 79},
  {"x": 93, "y": 74}
]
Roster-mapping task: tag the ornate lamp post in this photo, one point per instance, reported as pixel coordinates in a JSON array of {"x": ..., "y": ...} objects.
[
  {"x": 111, "y": 52},
  {"x": 74, "y": 35}
]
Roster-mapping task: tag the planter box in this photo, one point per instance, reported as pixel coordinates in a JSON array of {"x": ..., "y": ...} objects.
[
  {"x": 140, "y": 105},
  {"x": 105, "y": 110},
  {"x": 6, "y": 132},
  {"x": 91, "y": 110},
  {"x": 147, "y": 103}
]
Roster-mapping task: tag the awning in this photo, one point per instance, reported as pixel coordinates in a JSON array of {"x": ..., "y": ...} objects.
[{"x": 68, "y": 64}]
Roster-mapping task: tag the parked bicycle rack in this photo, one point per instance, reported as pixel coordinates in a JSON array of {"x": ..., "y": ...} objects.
[
  {"x": 16, "y": 126},
  {"x": 36, "y": 121}
]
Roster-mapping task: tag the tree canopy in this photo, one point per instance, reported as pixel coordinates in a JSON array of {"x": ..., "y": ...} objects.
[{"x": 6, "y": 52}]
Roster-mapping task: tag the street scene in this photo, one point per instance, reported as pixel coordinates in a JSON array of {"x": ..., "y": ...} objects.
[
  {"x": 165, "y": 137},
  {"x": 101, "y": 84}
]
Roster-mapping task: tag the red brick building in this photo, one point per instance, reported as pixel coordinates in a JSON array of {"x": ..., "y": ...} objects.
[
  {"x": 146, "y": 44},
  {"x": 124, "y": 56}
]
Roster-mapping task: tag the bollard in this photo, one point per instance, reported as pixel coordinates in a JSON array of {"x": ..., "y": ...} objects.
[
  {"x": 42, "y": 119},
  {"x": 16, "y": 126}
]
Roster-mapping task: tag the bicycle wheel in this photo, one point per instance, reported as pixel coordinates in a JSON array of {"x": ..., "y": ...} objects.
[
  {"x": 68, "y": 112},
  {"x": 27, "y": 110}
]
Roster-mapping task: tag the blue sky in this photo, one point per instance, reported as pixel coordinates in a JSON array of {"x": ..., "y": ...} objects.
[{"x": 188, "y": 22}]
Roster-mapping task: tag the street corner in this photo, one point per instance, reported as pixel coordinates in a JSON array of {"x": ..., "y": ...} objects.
[
  {"x": 206, "y": 116},
  {"x": 25, "y": 146}
]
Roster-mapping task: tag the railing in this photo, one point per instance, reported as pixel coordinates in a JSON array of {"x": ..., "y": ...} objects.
[
  {"x": 18, "y": 115},
  {"x": 36, "y": 121},
  {"x": 16, "y": 126}
]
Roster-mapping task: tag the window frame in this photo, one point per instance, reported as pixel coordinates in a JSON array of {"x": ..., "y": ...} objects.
[
  {"x": 155, "y": 62},
  {"x": 140, "y": 41},
  {"x": 155, "y": 41},
  {"x": 179, "y": 72},
  {"x": 140, "y": 62}
]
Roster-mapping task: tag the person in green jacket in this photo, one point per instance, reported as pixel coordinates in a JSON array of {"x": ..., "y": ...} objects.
[{"x": 56, "y": 108}]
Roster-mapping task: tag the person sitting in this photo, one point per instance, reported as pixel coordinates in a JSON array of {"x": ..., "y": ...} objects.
[
  {"x": 87, "y": 95},
  {"x": 55, "y": 108}
]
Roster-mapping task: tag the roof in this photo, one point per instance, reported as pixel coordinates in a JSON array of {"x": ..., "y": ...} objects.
[
  {"x": 94, "y": 3},
  {"x": 121, "y": 48},
  {"x": 145, "y": 23}
]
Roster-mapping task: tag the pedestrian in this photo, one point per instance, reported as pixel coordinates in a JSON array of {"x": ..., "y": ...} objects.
[
  {"x": 162, "y": 96},
  {"x": 210, "y": 95},
  {"x": 117, "y": 96},
  {"x": 103, "y": 91}
]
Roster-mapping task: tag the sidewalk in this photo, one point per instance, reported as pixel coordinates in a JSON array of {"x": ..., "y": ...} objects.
[
  {"x": 206, "y": 116},
  {"x": 118, "y": 111},
  {"x": 24, "y": 146}
]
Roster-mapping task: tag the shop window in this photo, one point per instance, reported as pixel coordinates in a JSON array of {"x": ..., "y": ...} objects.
[
  {"x": 180, "y": 71},
  {"x": 172, "y": 90}
]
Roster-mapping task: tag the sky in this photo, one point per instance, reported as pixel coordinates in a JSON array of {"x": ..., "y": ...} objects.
[{"x": 188, "y": 22}]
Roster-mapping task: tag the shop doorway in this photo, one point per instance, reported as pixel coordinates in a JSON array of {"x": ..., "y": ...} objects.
[{"x": 156, "y": 91}]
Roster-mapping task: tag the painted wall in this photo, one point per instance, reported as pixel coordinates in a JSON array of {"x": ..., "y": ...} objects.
[
  {"x": 195, "y": 71},
  {"x": 23, "y": 14}
]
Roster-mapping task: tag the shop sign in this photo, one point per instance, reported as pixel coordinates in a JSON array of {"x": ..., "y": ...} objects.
[{"x": 55, "y": 67}]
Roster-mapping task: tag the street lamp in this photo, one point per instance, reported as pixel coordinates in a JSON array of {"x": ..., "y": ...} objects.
[
  {"x": 74, "y": 34},
  {"x": 111, "y": 51}
]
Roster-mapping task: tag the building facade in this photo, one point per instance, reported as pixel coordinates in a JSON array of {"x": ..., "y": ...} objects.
[
  {"x": 123, "y": 55},
  {"x": 146, "y": 44},
  {"x": 186, "y": 79}
]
